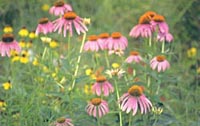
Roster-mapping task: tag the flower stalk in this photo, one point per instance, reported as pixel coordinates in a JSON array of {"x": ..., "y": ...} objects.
[
  {"x": 150, "y": 41},
  {"x": 120, "y": 113},
  {"x": 69, "y": 45},
  {"x": 78, "y": 61},
  {"x": 163, "y": 47}
]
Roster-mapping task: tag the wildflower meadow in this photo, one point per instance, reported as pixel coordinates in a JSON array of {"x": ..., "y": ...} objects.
[{"x": 99, "y": 63}]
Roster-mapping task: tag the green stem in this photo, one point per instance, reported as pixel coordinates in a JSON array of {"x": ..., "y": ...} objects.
[
  {"x": 44, "y": 53},
  {"x": 158, "y": 89},
  {"x": 163, "y": 47},
  {"x": 98, "y": 121},
  {"x": 134, "y": 72},
  {"x": 120, "y": 113},
  {"x": 130, "y": 120},
  {"x": 96, "y": 60},
  {"x": 69, "y": 45},
  {"x": 78, "y": 61},
  {"x": 106, "y": 57},
  {"x": 126, "y": 80},
  {"x": 156, "y": 119},
  {"x": 150, "y": 41},
  {"x": 196, "y": 78},
  {"x": 148, "y": 81}
]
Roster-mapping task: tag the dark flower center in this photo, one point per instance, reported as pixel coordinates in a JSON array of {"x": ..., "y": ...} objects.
[
  {"x": 144, "y": 19},
  {"x": 23, "y": 55},
  {"x": 104, "y": 35},
  {"x": 100, "y": 79},
  {"x": 43, "y": 20},
  {"x": 158, "y": 18},
  {"x": 61, "y": 120},
  {"x": 116, "y": 35},
  {"x": 134, "y": 53},
  {"x": 160, "y": 58},
  {"x": 150, "y": 14},
  {"x": 7, "y": 38},
  {"x": 96, "y": 101},
  {"x": 24, "y": 27},
  {"x": 92, "y": 38},
  {"x": 70, "y": 15},
  {"x": 135, "y": 90},
  {"x": 59, "y": 3}
]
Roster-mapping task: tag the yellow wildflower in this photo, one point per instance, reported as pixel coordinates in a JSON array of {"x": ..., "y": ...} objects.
[
  {"x": 2, "y": 103},
  {"x": 23, "y": 32},
  {"x": 115, "y": 65},
  {"x": 93, "y": 76},
  {"x": 7, "y": 85},
  {"x": 7, "y": 29},
  {"x": 32, "y": 35},
  {"x": 53, "y": 75},
  {"x": 88, "y": 89},
  {"x": 22, "y": 44},
  {"x": 192, "y": 52},
  {"x": 157, "y": 110},
  {"x": 24, "y": 57},
  {"x": 29, "y": 44},
  {"x": 86, "y": 21},
  {"x": 13, "y": 53},
  {"x": 25, "y": 52},
  {"x": 46, "y": 39},
  {"x": 15, "y": 58},
  {"x": 35, "y": 62},
  {"x": 45, "y": 7},
  {"x": 88, "y": 71},
  {"x": 53, "y": 44},
  {"x": 45, "y": 69}
]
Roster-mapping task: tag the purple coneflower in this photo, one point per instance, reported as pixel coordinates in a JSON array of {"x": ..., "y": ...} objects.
[
  {"x": 103, "y": 37},
  {"x": 134, "y": 57},
  {"x": 165, "y": 37},
  {"x": 66, "y": 22},
  {"x": 160, "y": 63},
  {"x": 117, "y": 41},
  {"x": 62, "y": 122},
  {"x": 92, "y": 44},
  {"x": 102, "y": 85},
  {"x": 159, "y": 20},
  {"x": 144, "y": 28},
  {"x": 97, "y": 105},
  {"x": 163, "y": 29},
  {"x": 7, "y": 44},
  {"x": 134, "y": 99},
  {"x": 60, "y": 8},
  {"x": 45, "y": 26}
]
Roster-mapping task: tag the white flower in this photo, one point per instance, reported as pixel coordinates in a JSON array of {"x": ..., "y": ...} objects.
[
  {"x": 118, "y": 52},
  {"x": 115, "y": 72}
]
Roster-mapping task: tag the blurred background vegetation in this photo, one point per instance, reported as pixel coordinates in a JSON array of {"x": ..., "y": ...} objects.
[{"x": 183, "y": 17}]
